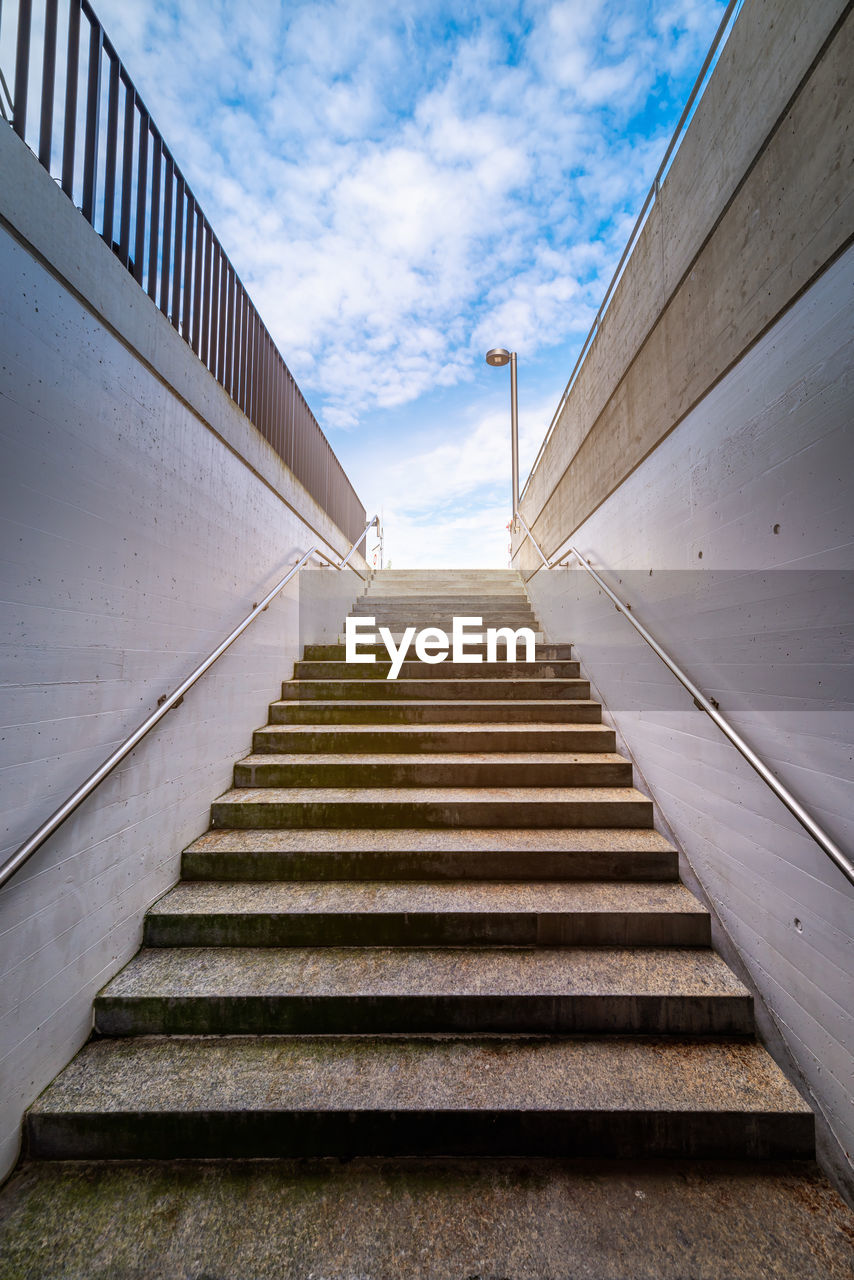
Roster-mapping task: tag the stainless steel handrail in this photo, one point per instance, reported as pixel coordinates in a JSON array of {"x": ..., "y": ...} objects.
[
  {"x": 65, "y": 810},
  {"x": 652, "y": 194},
  {"x": 546, "y": 564},
  {"x": 797, "y": 810}
]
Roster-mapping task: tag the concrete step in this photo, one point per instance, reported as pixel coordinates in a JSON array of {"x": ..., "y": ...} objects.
[
  {"x": 451, "y": 602},
  {"x": 446, "y": 585},
  {"x": 437, "y": 687},
  {"x": 399, "y": 854},
  {"x": 166, "y": 1098},
  {"x": 478, "y": 577},
  {"x": 428, "y": 914},
  {"x": 378, "y": 990},
  {"x": 441, "y": 604},
  {"x": 337, "y": 653},
  {"x": 264, "y": 807},
  {"x": 511, "y": 577},
  {"x": 542, "y": 738},
  {"x": 465, "y": 588},
  {"x": 447, "y": 670},
  {"x": 400, "y": 617},
  {"x": 453, "y": 598},
  {"x": 440, "y": 607},
  {"x": 457, "y": 592},
  {"x": 526, "y": 1217},
  {"x": 398, "y": 622},
  {"x": 451, "y": 575},
  {"x": 461, "y": 769},
  {"x": 396, "y": 629},
  {"x": 434, "y": 711}
]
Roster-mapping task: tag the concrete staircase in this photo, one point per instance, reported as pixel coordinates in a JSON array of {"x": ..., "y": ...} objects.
[{"x": 431, "y": 917}]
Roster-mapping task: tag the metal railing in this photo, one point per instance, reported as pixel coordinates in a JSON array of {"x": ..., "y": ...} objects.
[
  {"x": 111, "y": 161},
  {"x": 544, "y": 562},
  {"x": 52, "y": 824},
  {"x": 725, "y": 24},
  {"x": 702, "y": 703}
]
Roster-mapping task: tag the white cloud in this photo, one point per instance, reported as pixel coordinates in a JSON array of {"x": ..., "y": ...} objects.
[
  {"x": 448, "y": 502},
  {"x": 476, "y": 539},
  {"x": 401, "y": 186}
]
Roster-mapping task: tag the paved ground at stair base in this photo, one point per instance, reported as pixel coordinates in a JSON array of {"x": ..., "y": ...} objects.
[{"x": 423, "y": 1220}]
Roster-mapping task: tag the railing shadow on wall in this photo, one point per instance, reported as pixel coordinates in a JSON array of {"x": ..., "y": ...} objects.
[{"x": 74, "y": 104}]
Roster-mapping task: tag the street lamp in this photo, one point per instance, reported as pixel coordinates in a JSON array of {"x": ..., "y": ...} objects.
[{"x": 498, "y": 357}]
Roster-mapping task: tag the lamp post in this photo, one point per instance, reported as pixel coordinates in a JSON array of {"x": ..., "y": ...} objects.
[{"x": 498, "y": 357}]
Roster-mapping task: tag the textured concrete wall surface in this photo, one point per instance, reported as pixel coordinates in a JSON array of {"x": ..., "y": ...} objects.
[
  {"x": 142, "y": 515},
  {"x": 734, "y": 544},
  {"x": 757, "y": 202},
  {"x": 325, "y": 599}
]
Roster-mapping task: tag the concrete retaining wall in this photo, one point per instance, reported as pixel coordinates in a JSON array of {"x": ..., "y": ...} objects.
[
  {"x": 733, "y": 544},
  {"x": 757, "y": 202},
  {"x": 703, "y": 461},
  {"x": 142, "y": 515}
]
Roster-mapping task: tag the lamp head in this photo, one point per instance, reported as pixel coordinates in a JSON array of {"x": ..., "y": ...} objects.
[{"x": 498, "y": 356}]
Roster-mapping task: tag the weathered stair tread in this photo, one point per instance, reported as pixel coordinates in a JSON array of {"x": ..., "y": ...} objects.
[
  {"x": 419, "y": 617},
  {"x": 444, "y": 687},
  {"x": 372, "y": 796},
  {"x": 447, "y": 704},
  {"x": 496, "y": 612},
  {"x": 433, "y": 711},
  {"x": 446, "y": 624},
  {"x": 199, "y": 972},
  {"x": 412, "y": 667},
  {"x": 471, "y": 681},
  {"x": 487, "y": 1095},
  {"x": 472, "y": 589},
  {"x": 430, "y": 853},
  {"x": 425, "y": 758},
  {"x": 523, "y": 1217},
  {"x": 450, "y": 705},
  {"x": 344, "y": 897},
  {"x": 546, "y": 651},
  {"x": 447, "y": 670},
  {"x": 515, "y": 595},
  {"x": 428, "y": 913},
  {"x": 432, "y": 769},
  {"x": 544, "y": 737},
  {"x": 460, "y": 728},
  {"x": 474, "y": 579},
  {"x": 514, "y": 592},
  {"x": 532, "y": 840},
  {"x": 271, "y": 1073},
  {"x": 620, "y": 806},
  {"x": 463, "y": 601}
]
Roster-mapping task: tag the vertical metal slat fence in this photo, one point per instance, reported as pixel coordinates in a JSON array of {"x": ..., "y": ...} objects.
[{"x": 114, "y": 164}]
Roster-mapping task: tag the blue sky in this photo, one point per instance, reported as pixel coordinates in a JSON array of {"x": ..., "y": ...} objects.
[{"x": 402, "y": 186}]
